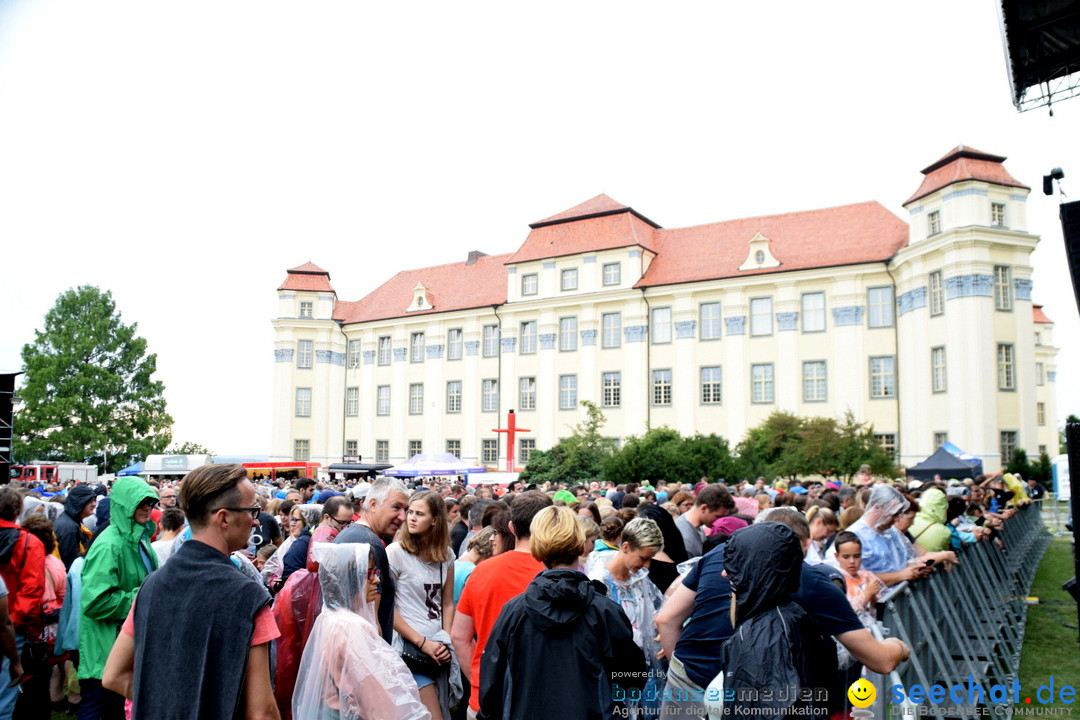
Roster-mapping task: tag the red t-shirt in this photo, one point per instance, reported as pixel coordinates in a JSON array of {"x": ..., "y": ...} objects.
[
  {"x": 490, "y": 586},
  {"x": 266, "y": 628}
]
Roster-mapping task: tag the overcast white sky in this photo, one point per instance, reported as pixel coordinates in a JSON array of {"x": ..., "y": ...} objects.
[{"x": 184, "y": 154}]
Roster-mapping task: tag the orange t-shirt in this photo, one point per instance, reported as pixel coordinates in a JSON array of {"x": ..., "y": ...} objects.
[
  {"x": 266, "y": 628},
  {"x": 490, "y": 586}
]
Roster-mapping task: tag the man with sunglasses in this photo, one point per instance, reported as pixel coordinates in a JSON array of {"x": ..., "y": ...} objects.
[
  {"x": 115, "y": 566},
  {"x": 219, "y": 620}
]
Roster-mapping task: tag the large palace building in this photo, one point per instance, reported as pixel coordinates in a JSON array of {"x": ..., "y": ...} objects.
[{"x": 924, "y": 328}]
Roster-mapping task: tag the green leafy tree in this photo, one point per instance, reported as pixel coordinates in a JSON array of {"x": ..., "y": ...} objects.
[
  {"x": 1019, "y": 464},
  {"x": 190, "y": 448},
  {"x": 1043, "y": 470},
  {"x": 88, "y": 387},
  {"x": 663, "y": 454},
  {"x": 579, "y": 457}
]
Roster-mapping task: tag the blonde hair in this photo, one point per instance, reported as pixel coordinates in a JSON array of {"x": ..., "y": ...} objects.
[
  {"x": 643, "y": 533},
  {"x": 557, "y": 536},
  {"x": 588, "y": 526},
  {"x": 827, "y": 516}
]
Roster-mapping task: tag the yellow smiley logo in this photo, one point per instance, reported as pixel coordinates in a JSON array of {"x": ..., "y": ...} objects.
[{"x": 862, "y": 693}]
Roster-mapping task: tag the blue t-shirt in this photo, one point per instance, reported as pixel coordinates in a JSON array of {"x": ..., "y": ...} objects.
[{"x": 710, "y": 623}]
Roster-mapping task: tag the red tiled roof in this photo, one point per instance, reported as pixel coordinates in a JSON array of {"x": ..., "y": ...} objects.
[
  {"x": 599, "y": 205},
  {"x": 844, "y": 235},
  {"x": 964, "y": 163},
  {"x": 457, "y": 286},
  {"x": 307, "y": 277},
  {"x": 1039, "y": 316},
  {"x": 622, "y": 228}
]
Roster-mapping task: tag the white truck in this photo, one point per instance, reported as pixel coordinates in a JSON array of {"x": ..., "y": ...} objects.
[{"x": 54, "y": 472}]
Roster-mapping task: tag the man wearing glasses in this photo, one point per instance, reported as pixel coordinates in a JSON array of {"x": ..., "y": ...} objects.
[
  {"x": 219, "y": 620},
  {"x": 115, "y": 566}
]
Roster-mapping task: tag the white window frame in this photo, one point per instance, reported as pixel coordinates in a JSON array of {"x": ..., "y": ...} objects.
[
  {"x": 883, "y": 377},
  {"x": 530, "y": 284},
  {"x": 761, "y": 317},
  {"x": 453, "y": 396},
  {"x": 762, "y": 384},
  {"x": 568, "y": 279},
  {"x": 880, "y": 307},
  {"x": 416, "y": 447},
  {"x": 352, "y": 403},
  {"x": 933, "y": 223},
  {"x": 662, "y": 330},
  {"x": 1040, "y": 373},
  {"x": 489, "y": 450},
  {"x": 568, "y": 392},
  {"x": 712, "y": 386},
  {"x": 527, "y": 338},
  {"x": 353, "y": 354},
  {"x": 662, "y": 383},
  {"x": 1003, "y": 300},
  {"x": 453, "y": 446},
  {"x": 525, "y": 449},
  {"x": 1006, "y": 365},
  {"x": 386, "y": 350},
  {"x": 936, "y": 289},
  {"x": 455, "y": 344},
  {"x": 307, "y": 309},
  {"x": 305, "y": 354},
  {"x": 489, "y": 395},
  {"x": 302, "y": 406},
  {"x": 416, "y": 398},
  {"x": 612, "y": 274},
  {"x": 815, "y": 381},
  {"x": 939, "y": 380},
  {"x": 352, "y": 448},
  {"x": 1009, "y": 441},
  {"x": 382, "y": 400},
  {"x": 302, "y": 450},
  {"x": 568, "y": 333},
  {"x": 611, "y": 330},
  {"x": 709, "y": 320},
  {"x": 416, "y": 347},
  {"x": 382, "y": 451},
  {"x": 611, "y": 389},
  {"x": 998, "y": 215},
  {"x": 527, "y": 393},
  {"x": 813, "y": 314},
  {"x": 491, "y": 341},
  {"x": 1040, "y": 414}
]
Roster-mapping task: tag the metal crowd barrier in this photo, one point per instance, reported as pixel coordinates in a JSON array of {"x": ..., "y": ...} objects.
[{"x": 964, "y": 627}]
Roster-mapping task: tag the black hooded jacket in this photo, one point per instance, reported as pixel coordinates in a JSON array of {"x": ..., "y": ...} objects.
[
  {"x": 72, "y": 538},
  {"x": 556, "y": 651}
]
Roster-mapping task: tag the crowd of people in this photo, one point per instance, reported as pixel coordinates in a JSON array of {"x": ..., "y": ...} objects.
[{"x": 220, "y": 596}]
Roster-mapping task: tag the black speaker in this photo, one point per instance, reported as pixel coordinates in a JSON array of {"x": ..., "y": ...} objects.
[
  {"x": 7, "y": 395},
  {"x": 1070, "y": 228},
  {"x": 1072, "y": 438}
]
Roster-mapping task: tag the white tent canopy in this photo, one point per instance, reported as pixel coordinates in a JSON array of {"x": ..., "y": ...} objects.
[
  {"x": 432, "y": 464},
  {"x": 173, "y": 464}
]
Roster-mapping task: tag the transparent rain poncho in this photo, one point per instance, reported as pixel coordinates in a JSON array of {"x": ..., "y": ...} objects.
[
  {"x": 883, "y": 547},
  {"x": 348, "y": 671}
]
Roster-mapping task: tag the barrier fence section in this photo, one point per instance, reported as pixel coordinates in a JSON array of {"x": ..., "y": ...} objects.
[{"x": 965, "y": 627}]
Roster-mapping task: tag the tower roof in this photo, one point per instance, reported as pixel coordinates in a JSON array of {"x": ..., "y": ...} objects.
[
  {"x": 964, "y": 163},
  {"x": 597, "y": 224},
  {"x": 307, "y": 277}
]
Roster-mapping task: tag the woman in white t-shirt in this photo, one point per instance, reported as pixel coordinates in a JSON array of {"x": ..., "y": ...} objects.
[{"x": 423, "y": 567}]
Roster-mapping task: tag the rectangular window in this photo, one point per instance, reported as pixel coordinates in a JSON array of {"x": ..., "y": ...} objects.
[
  {"x": 530, "y": 284},
  {"x": 940, "y": 438},
  {"x": 525, "y": 448},
  {"x": 762, "y": 384},
  {"x": 527, "y": 338},
  {"x": 1002, "y": 288},
  {"x": 489, "y": 395},
  {"x": 937, "y": 293},
  {"x": 813, "y": 312},
  {"x": 568, "y": 333},
  {"x": 352, "y": 448},
  {"x": 416, "y": 447},
  {"x": 568, "y": 392},
  {"x": 489, "y": 451},
  {"x": 491, "y": 341},
  {"x": 1040, "y": 413},
  {"x": 934, "y": 222},
  {"x": 305, "y": 354},
  {"x": 416, "y": 347},
  {"x": 302, "y": 450},
  {"x": 661, "y": 387},
  {"x": 887, "y": 442},
  {"x": 527, "y": 393},
  {"x": 354, "y": 354},
  {"x": 1042, "y": 449},
  {"x": 1040, "y": 374},
  {"x": 303, "y": 402},
  {"x": 661, "y": 325},
  {"x": 385, "y": 350},
  {"x": 710, "y": 386},
  {"x": 382, "y": 451},
  {"x": 939, "y": 383},
  {"x": 879, "y": 302},
  {"x": 416, "y": 398},
  {"x": 453, "y": 396},
  {"x": 568, "y": 279},
  {"x": 611, "y": 326},
  {"x": 352, "y": 402},
  {"x": 997, "y": 214},
  {"x": 612, "y": 274},
  {"x": 761, "y": 316},
  {"x": 454, "y": 447},
  {"x": 883, "y": 377},
  {"x": 382, "y": 400},
  {"x": 1006, "y": 367},
  {"x": 814, "y": 381},
  {"x": 709, "y": 321},
  {"x": 611, "y": 389},
  {"x": 307, "y": 309},
  {"x": 1008, "y": 446},
  {"x": 455, "y": 344}
]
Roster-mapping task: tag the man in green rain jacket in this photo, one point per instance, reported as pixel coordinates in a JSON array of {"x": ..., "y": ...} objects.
[{"x": 115, "y": 566}]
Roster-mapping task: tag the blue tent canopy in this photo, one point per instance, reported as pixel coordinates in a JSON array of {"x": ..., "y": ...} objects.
[{"x": 131, "y": 470}]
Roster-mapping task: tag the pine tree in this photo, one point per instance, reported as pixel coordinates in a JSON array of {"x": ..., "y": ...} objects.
[{"x": 88, "y": 387}]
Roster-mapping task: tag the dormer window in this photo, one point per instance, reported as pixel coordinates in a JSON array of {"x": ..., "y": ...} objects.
[
  {"x": 529, "y": 284},
  {"x": 759, "y": 257},
  {"x": 307, "y": 309},
  {"x": 422, "y": 299},
  {"x": 934, "y": 222}
]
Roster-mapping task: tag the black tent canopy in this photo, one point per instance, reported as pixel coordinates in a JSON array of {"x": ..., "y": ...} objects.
[{"x": 945, "y": 464}]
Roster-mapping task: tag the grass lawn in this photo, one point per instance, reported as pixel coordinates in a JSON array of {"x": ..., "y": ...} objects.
[{"x": 1051, "y": 648}]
